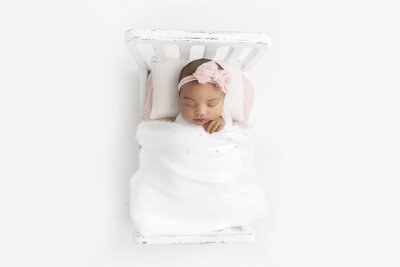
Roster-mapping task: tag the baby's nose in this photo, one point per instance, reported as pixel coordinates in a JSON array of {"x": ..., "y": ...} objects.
[{"x": 201, "y": 111}]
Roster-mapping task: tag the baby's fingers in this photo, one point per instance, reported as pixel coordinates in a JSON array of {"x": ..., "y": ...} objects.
[
  {"x": 215, "y": 127},
  {"x": 209, "y": 125},
  {"x": 219, "y": 128}
]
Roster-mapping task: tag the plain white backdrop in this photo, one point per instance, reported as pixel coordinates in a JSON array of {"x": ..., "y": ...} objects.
[{"x": 327, "y": 107}]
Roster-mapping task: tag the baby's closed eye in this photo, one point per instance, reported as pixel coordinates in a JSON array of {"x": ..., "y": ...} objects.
[
  {"x": 189, "y": 103},
  {"x": 213, "y": 103}
]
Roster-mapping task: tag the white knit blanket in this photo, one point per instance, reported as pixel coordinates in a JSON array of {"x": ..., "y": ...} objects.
[{"x": 193, "y": 182}]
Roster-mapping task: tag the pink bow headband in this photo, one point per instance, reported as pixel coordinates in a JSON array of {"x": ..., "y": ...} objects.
[{"x": 208, "y": 73}]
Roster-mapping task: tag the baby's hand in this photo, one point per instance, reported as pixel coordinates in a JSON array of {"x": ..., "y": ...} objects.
[{"x": 214, "y": 125}]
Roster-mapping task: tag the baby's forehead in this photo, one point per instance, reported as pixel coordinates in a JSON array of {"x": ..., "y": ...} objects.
[
  {"x": 201, "y": 91},
  {"x": 201, "y": 96},
  {"x": 204, "y": 98}
]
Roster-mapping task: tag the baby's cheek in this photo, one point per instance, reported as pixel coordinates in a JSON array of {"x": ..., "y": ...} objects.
[
  {"x": 218, "y": 112},
  {"x": 186, "y": 113},
  {"x": 216, "y": 116}
]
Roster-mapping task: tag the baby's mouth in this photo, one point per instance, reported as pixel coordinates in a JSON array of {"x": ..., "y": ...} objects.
[{"x": 200, "y": 120}]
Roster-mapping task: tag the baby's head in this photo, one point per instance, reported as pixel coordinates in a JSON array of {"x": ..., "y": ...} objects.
[{"x": 202, "y": 90}]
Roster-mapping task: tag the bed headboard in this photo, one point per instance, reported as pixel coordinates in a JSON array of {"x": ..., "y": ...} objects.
[{"x": 246, "y": 48}]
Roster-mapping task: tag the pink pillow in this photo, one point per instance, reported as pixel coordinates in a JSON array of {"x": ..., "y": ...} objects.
[{"x": 248, "y": 99}]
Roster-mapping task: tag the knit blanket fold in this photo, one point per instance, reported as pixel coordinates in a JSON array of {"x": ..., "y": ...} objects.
[{"x": 193, "y": 182}]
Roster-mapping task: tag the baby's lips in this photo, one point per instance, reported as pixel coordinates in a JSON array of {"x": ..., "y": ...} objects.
[{"x": 203, "y": 121}]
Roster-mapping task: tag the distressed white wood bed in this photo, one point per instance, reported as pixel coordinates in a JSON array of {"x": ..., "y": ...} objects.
[{"x": 160, "y": 44}]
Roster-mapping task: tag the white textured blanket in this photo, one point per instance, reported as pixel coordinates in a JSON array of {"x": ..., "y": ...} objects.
[{"x": 193, "y": 182}]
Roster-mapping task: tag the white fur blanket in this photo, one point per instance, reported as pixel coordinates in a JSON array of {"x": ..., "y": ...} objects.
[{"x": 193, "y": 182}]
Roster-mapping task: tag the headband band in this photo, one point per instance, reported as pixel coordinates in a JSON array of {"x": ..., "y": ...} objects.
[{"x": 208, "y": 73}]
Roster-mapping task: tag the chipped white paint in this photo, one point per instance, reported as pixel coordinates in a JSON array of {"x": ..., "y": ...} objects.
[
  {"x": 229, "y": 235},
  {"x": 185, "y": 39}
]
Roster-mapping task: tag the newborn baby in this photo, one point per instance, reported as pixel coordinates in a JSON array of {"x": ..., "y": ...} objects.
[
  {"x": 196, "y": 184},
  {"x": 203, "y": 84}
]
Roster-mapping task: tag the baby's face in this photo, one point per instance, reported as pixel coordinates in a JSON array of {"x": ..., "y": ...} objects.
[{"x": 201, "y": 103}]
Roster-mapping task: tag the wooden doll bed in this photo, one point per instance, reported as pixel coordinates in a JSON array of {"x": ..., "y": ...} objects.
[{"x": 247, "y": 48}]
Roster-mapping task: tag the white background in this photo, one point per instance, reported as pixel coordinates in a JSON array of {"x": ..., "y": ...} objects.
[{"x": 327, "y": 105}]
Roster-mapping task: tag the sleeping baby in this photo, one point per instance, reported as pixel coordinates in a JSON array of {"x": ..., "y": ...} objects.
[
  {"x": 191, "y": 183},
  {"x": 203, "y": 84}
]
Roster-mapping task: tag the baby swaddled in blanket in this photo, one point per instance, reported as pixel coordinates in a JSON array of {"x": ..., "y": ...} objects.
[{"x": 197, "y": 174}]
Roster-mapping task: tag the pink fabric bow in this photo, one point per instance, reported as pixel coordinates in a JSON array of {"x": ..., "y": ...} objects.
[{"x": 209, "y": 73}]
